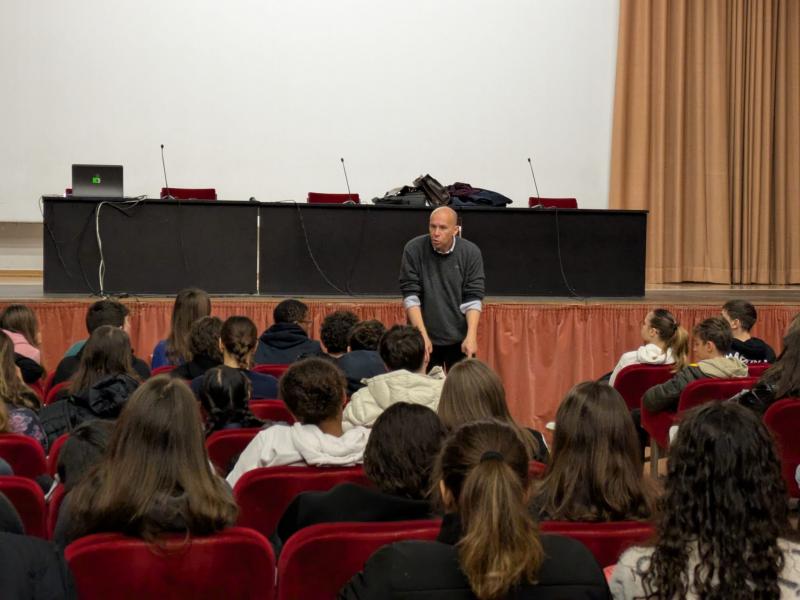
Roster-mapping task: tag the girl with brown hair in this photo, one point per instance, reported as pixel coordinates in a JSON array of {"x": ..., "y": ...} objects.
[
  {"x": 473, "y": 392},
  {"x": 489, "y": 546},
  {"x": 155, "y": 477},
  {"x": 20, "y": 324},
  {"x": 18, "y": 403},
  {"x": 190, "y": 305},
  {"x": 595, "y": 472}
]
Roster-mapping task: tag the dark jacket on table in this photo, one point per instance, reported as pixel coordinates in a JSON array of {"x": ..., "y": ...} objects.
[
  {"x": 753, "y": 350},
  {"x": 348, "y": 502},
  {"x": 666, "y": 395},
  {"x": 31, "y": 370},
  {"x": 283, "y": 344},
  {"x": 196, "y": 367},
  {"x": 263, "y": 386},
  {"x": 69, "y": 366},
  {"x": 417, "y": 569},
  {"x": 358, "y": 365},
  {"x": 33, "y": 569},
  {"x": 104, "y": 400}
]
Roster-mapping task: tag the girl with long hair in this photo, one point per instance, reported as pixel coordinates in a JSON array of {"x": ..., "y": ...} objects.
[
  {"x": 595, "y": 471},
  {"x": 225, "y": 397},
  {"x": 20, "y": 324},
  {"x": 723, "y": 530},
  {"x": 155, "y": 477},
  {"x": 489, "y": 546},
  {"x": 18, "y": 403},
  {"x": 190, "y": 305}
]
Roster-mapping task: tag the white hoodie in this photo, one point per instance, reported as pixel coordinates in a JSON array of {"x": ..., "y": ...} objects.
[
  {"x": 645, "y": 355},
  {"x": 281, "y": 445}
]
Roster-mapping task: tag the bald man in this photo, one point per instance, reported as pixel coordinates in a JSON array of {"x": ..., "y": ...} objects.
[{"x": 442, "y": 281}]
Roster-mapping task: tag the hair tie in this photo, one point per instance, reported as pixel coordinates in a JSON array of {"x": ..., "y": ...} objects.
[{"x": 491, "y": 455}]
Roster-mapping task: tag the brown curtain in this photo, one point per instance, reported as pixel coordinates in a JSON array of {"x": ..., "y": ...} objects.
[{"x": 706, "y": 137}]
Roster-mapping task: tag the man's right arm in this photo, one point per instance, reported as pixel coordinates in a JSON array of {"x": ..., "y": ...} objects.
[{"x": 411, "y": 288}]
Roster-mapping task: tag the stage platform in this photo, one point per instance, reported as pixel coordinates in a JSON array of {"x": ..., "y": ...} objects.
[{"x": 539, "y": 346}]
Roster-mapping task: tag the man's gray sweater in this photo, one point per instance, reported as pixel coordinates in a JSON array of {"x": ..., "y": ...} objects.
[{"x": 443, "y": 283}]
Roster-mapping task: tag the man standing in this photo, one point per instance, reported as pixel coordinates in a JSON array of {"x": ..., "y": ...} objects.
[{"x": 442, "y": 281}]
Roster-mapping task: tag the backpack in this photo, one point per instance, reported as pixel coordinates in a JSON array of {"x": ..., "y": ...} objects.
[{"x": 437, "y": 194}]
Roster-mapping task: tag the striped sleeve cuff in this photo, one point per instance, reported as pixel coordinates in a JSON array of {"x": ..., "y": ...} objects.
[
  {"x": 471, "y": 305},
  {"x": 411, "y": 302}
]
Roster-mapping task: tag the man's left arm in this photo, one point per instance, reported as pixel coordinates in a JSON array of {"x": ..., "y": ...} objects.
[{"x": 472, "y": 302}]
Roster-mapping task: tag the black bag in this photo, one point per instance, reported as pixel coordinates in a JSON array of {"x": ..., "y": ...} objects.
[
  {"x": 406, "y": 196},
  {"x": 437, "y": 194}
]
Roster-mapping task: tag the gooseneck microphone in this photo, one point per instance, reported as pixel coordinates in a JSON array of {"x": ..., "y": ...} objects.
[
  {"x": 166, "y": 184},
  {"x": 347, "y": 182},
  {"x": 530, "y": 164}
]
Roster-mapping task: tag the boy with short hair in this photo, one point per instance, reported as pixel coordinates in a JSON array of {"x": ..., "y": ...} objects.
[{"x": 741, "y": 315}]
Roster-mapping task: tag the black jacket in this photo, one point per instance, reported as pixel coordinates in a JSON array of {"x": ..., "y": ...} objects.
[
  {"x": 284, "y": 343},
  {"x": 358, "y": 365},
  {"x": 9, "y": 517},
  {"x": 31, "y": 370},
  {"x": 196, "y": 367},
  {"x": 33, "y": 569},
  {"x": 416, "y": 569},
  {"x": 69, "y": 366},
  {"x": 104, "y": 400},
  {"x": 754, "y": 350}
]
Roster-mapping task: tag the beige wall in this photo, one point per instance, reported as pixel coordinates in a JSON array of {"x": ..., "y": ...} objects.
[{"x": 20, "y": 246}]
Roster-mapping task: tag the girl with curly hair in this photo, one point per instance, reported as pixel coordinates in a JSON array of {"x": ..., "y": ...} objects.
[{"x": 724, "y": 528}]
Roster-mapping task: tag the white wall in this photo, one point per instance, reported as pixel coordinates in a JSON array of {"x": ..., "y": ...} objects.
[{"x": 261, "y": 98}]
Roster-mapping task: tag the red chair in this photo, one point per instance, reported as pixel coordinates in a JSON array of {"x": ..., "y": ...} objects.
[
  {"x": 38, "y": 388},
  {"x": 338, "y": 551},
  {"x": 53, "y": 506},
  {"x": 189, "y": 193},
  {"x": 162, "y": 369},
  {"x": 24, "y": 454},
  {"x": 606, "y": 541},
  {"x": 634, "y": 380},
  {"x": 28, "y": 498},
  {"x": 52, "y": 393},
  {"x": 536, "y": 469},
  {"x": 234, "y": 563},
  {"x": 783, "y": 420},
  {"x": 263, "y": 494},
  {"x": 757, "y": 369},
  {"x": 52, "y": 455},
  {"x": 48, "y": 383},
  {"x": 274, "y": 370},
  {"x": 271, "y": 410},
  {"x": 696, "y": 393},
  {"x": 224, "y": 445},
  {"x": 553, "y": 202},
  {"x": 319, "y": 198}
]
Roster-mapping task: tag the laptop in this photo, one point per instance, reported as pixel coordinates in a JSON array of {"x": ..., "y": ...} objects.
[{"x": 97, "y": 181}]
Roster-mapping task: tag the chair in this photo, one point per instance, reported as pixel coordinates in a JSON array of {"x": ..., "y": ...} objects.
[
  {"x": 274, "y": 370},
  {"x": 263, "y": 494},
  {"x": 38, "y": 388},
  {"x": 536, "y": 469},
  {"x": 162, "y": 369},
  {"x": 696, "y": 393},
  {"x": 24, "y": 454},
  {"x": 757, "y": 369},
  {"x": 271, "y": 410},
  {"x": 552, "y": 202},
  {"x": 320, "y": 198},
  {"x": 28, "y": 498},
  {"x": 225, "y": 445},
  {"x": 53, "y": 507},
  {"x": 783, "y": 420},
  {"x": 338, "y": 551},
  {"x": 48, "y": 382},
  {"x": 234, "y": 563},
  {"x": 52, "y": 393},
  {"x": 52, "y": 455},
  {"x": 634, "y": 380},
  {"x": 189, "y": 193},
  {"x": 606, "y": 541}
]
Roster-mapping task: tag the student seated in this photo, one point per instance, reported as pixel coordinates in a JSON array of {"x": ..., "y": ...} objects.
[
  {"x": 314, "y": 391},
  {"x": 723, "y": 529},
  {"x": 362, "y": 360},
  {"x": 237, "y": 341},
  {"x": 665, "y": 343},
  {"x": 489, "y": 546},
  {"x": 473, "y": 392},
  {"x": 20, "y": 324},
  {"x": 102, "y": 312},
  {"x": 101, "y": 387},
  {"x": 398, "y": 460},
  {"x": 225, "y": 398},
  {"x": 711, "y": 343},
  {"x": 19, "y": 405},
  {"x": 83, "y": 449},
  {"x": 287, "y": 340},
  {"x": 204, "y": 349},
  {"x": 335, "y": 330},
  {"x": 402, "y": 350},
  {"x": 155, "y": 477},
  {"x": 595, "y": 472},
  {"x": 742, "y": 316},
  {"x": 190, "y": 305}
]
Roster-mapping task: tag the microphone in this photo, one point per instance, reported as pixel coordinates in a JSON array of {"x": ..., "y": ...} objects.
[
  {"x": 530, "y": 164},
  {"x": 164, "y": 166},
  {"x": 347, "y": 182}
]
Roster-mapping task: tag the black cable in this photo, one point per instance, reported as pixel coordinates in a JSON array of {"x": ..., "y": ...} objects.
[
  {"x": 561, "y": 262},
  {"x": 311, "y": 253}
]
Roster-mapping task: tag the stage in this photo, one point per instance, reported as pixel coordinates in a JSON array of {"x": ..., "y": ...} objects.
[{"x": 539, "y": 346}]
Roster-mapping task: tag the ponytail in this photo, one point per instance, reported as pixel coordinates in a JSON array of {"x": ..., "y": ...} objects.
[
  {"x": 679, "y": 345},
  {"x": 239, "y": 337}
]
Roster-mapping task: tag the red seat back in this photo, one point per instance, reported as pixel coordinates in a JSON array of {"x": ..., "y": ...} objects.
[
  {"x": 24, "y": 454},
  {"x": 48, "y": 383},
  {"x": 536, "y": 469},
  {"x": 320, "y": 198},
  {"x": 52, "y": 455},
  {"x": 162, "y": 369},
  {"x": 274, "y": 370},
  {"x": 28, "y": 498},
  {"x": 783, "y": 420},
  {"x": 606, "y": 541},
  {"x": 38, "y": 388},
  {"x": 263, "y": 494},
  {"x": 234, "y": 563},
  {"x": 190, "y": 193},
  {"x": 52, "y": 393},
  {"x": 224, "y": 445},
  {"x": 338, "y": 551},
  {"x": 553, "y": 202},
  {"x": 705, "y": 390},
  {"x": 272, "y": 410},
  {"x": 634, "y": 380},
  {"x": 757, "y": 369},
  {"x": 53, "y": 506}
]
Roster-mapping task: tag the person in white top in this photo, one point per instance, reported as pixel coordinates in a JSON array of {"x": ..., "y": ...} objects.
[
  {"x": 724, "y": 529},
  {"x": 665, "y": 343},
  {"x": 314, "y": 391}
]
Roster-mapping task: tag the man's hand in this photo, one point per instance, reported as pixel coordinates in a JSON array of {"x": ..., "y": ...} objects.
[
  {"x": 470, "y": 346},
  {"x": 428, "y": 346}
]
